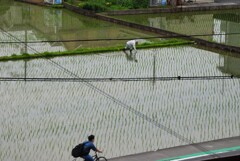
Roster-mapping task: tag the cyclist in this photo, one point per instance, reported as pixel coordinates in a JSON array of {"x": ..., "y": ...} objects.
[{"x": 88, "y": 146}]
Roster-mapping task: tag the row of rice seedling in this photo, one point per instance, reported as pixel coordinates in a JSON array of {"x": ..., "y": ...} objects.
[
  {"x": 177, "y": 61},
  {"x": 206, "y": 109},
  {"x": 42, "y": 133},
  {"x": 51, "y": 117}
]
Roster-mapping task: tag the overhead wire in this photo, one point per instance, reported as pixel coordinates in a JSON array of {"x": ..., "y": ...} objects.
[
  {"x": 124, "y": 105},
  {"x": 118, "y": 39},
  {"x": 137, "y": 79}
]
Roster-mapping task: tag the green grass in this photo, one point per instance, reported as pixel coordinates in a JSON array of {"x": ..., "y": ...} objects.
[{"x": 84, "y": 51}]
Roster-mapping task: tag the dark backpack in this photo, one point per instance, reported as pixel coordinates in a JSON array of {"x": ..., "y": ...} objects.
[{"x": 78, "y": 151}]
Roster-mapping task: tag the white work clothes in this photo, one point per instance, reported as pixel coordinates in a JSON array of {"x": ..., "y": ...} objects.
[{"x": 131, "y": 45}]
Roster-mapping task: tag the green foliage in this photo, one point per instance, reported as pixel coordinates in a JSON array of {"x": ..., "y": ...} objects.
[
  {"x": 142, "y": 4},
  {"x": 69, "y": 1},
  {"x": 131, "y": 3},
  {"x": 97, "y": 6},
  {"x": 103, "y": 5}
]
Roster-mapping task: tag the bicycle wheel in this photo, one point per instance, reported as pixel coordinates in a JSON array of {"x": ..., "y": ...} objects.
[{"x": 101, "y": 159}]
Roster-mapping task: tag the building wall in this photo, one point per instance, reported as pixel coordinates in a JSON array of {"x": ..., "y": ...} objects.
[
  {"x": 53, "y": 1},
  {"x": 169, "y": 2}
]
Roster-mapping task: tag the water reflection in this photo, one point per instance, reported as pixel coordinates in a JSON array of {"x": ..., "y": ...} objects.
[
  {"x": 131, "y": 56},
  {"x": 227, "y": 23},
  {"x": 34, "y": 23},
  {"x": 229, "y": 65},
  {"x": 25, "y": 47},
  {"x": 196, "y": 23}
]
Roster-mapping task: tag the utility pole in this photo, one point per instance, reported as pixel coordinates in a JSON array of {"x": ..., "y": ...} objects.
[
  {"x": 25, "y": 70},
  {"x": 25, "y": 51},
  {"x": 154, "y": 68}
]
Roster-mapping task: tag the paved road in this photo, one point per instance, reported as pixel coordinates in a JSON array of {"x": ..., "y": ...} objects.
[{"x": 188, "y": 150}]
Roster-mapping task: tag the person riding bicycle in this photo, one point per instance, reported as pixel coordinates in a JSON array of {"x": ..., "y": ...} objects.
[{"x": 88, "y": 146}]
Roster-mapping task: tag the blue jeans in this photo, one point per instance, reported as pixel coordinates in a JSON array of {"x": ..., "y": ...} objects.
[{"x": 88, "y": 158}]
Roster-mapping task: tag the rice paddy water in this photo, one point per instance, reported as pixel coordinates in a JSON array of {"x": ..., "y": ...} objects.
[
  {"x": 45, "y": 120},
  {"x": 29, "y": 23},
  {"x": 196, "y": 23}
]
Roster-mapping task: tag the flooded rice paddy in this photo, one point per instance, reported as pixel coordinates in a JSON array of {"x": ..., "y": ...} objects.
[
  {"x": 29, "y": 23},
  {"x": 196, "y": 23},
  {"x": 44, "y": 120}
]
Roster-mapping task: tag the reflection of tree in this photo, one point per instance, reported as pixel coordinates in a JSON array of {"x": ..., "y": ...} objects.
[
  {"x": 4, "y": 9},
  {"x": 181, "y": 18},
  {"x": 5, "y": 5},
  {"x": 52, "y": 18}
]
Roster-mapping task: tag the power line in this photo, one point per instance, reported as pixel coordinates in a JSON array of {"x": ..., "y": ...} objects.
[
  {"x": 122, "y": 104},
  {"x": 139, "y": 79},
  {"x": 89, "y": 40},
  {"x": 125, "y": 106}
]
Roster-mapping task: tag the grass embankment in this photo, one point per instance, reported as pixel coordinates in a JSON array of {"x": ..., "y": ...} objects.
[{"x": 85, "y": 51}]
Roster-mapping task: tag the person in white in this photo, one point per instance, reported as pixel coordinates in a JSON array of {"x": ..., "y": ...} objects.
[{"x": 131, "y": 45}]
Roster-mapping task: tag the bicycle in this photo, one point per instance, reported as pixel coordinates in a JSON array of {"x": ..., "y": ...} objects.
[{"x": 97, "y": 158}]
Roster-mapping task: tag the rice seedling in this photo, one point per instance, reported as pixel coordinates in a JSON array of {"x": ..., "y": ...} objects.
[{"x": 51, "y": 117}]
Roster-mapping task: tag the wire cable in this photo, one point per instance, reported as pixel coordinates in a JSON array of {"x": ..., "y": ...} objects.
[
  {"x": 123, "y": 105},
  {"x": 87, "y": 40},
  {"x": 139, "y": 79}
]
